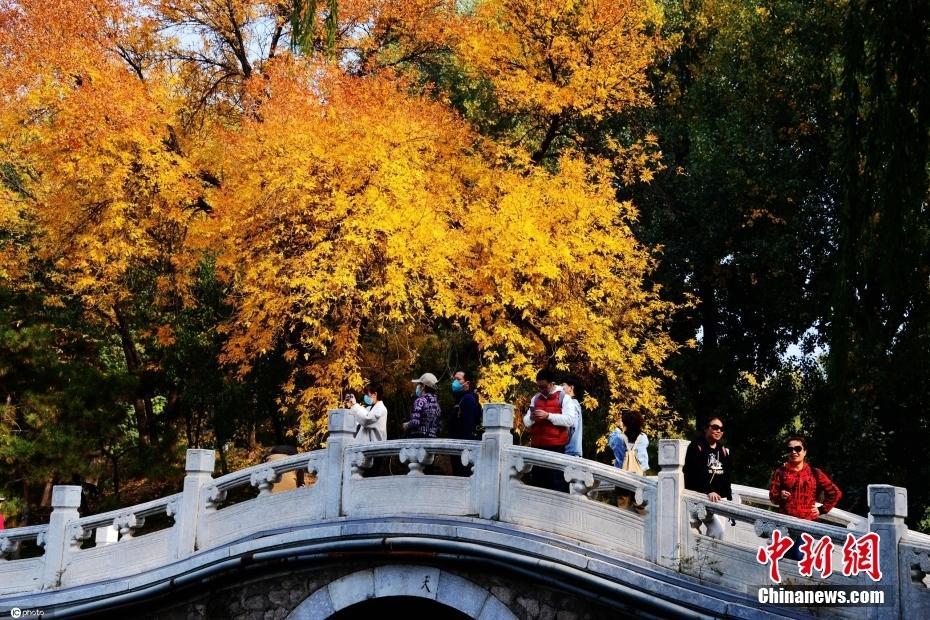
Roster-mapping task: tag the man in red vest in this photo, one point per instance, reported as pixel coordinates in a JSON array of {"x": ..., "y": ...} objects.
[{"x": 548, "y": 424}]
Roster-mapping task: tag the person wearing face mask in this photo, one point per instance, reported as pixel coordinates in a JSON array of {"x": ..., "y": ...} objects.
[
  {"x": 372, "y": 421},
  {"x": 465, "y": 418},
  {"x": 426, "y": 416},
  {"x": 548, "y": 419}
]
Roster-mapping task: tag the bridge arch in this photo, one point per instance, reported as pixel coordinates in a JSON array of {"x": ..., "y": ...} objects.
[{"x": 430, "y": 583}]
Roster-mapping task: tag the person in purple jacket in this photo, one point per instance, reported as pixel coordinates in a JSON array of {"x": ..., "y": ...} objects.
[{"x": 426, "y": 416}]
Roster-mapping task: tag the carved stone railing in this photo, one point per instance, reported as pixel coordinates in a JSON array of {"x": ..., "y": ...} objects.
[
  {"x": 700, "y": 510},
  {"x": 442, "y": 495},
  {"x": 628, "y": 529},
  {"x": 219, "y": 523},
  {"x": 415, "y": 454},
  {"x": 261, "y": 477},
  {"x": 342, "y": 483},
  {"x": 737, "y": 553},
  {"x": 11, "y": 539},
  {"x": 114, "y": 536},
  {"x": 753, "y": 496},
  {"x": 21, "y": 575},
  {"x": 119, "y": 525}
]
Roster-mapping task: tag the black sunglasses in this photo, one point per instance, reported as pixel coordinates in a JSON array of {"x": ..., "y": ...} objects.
[
  {"x": 795, "y": 449},
  {"x": 715, "y": 427}
]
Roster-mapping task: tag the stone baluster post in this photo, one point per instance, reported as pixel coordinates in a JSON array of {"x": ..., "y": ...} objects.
[
  {"x": 887, "y": 511},
  {"x": 66, "y": 500},
  {"x": 188, "y": 510},
  {"x": 342, "y": 426},
  {"x": 491, "y": 470},
  {"x": 667, "y": 521}
]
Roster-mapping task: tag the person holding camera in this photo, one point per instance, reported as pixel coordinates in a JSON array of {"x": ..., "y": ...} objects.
[{"x": 372, "y": 421}]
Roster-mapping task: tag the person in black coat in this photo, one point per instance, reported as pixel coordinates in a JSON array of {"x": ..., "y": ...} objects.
[
  {"x": 466, "y": 416},
  {"x": 708, "y": 469}
]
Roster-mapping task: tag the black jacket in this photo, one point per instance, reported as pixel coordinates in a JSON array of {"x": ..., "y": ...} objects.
[
  {"x": 708, "y": 469},
  {"x": 466, "y": 417}
]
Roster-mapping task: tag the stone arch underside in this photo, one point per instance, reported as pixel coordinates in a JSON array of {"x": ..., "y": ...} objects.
[{"x": 398, "y": 580}]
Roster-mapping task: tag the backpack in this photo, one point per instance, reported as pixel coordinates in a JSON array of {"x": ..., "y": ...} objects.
[{"x": 631, "y": 461}]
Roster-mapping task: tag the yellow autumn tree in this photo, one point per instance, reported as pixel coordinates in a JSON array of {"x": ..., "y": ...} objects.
[
  {"x": 557, "y": 64},
  {"x": 342, "y": 198},
  {"x": 353, "y": 206},
  {"x": 101, "y": 179},
  {"x": 336, "y": 195}
]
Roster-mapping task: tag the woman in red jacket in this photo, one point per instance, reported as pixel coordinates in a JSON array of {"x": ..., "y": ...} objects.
[{"x": 796, "y": 485}]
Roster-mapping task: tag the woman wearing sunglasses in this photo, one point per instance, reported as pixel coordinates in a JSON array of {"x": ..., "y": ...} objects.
[
  {"x": 708, "y": 468},
  {"x": 796, "y": 485}
]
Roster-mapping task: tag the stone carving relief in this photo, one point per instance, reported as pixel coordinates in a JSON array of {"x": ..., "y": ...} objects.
[
  {"x": 127, "y": 523},
  {"x": 263, "y": 479},
  {"x": 77, "y": 535},
  {"x": 580, "y": 480},
  {"x": 416, "y": 459},
  {"x": 519, "y": 467},
  {"x": 215, "y": 496},
  {"x": 359, "y": 463}
]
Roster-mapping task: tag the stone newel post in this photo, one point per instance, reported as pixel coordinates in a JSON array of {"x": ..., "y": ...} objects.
[
  {"x": 667, "y": 521},
  {"x": 189, "y": 508},
  {"x": 66, "y": 500},
  {"x": 490, "y": 469},
  {"x": 887, "y": 511},
  {"x": 342, "y": 426}
]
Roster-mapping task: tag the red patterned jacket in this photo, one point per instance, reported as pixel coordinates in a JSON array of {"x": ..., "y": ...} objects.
[{"x": 804, "y": 485}]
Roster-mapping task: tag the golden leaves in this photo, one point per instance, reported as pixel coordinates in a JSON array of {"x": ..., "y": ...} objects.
[
  {"x": 551, "y": 57},
  {"x": 340, "y": 206},
  {"x": 352, "y": 205}
]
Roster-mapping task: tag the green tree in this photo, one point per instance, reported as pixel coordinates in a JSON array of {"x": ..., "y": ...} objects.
[{"x": 879, "y": 325}]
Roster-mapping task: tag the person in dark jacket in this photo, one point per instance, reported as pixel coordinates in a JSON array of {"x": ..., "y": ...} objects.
[
  {"x": 708, "y": 468},
  {"x": 465, "y": 418}
]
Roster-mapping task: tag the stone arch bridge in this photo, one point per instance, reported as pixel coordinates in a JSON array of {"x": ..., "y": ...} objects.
[{"x": 360, "y": 539}]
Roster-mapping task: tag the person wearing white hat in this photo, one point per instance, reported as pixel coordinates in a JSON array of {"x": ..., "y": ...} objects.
[
  {"x": 426, "y": 415},
  {"x": 1, "y": 512}
]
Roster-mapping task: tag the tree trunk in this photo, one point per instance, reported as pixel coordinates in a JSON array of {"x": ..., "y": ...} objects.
[
  {"x": 551, "y": 132},
  {"x": 142, "y": 405}
]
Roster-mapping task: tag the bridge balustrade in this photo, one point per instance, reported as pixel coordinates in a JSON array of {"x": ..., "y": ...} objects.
[{"x": 343, "y": 483}]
